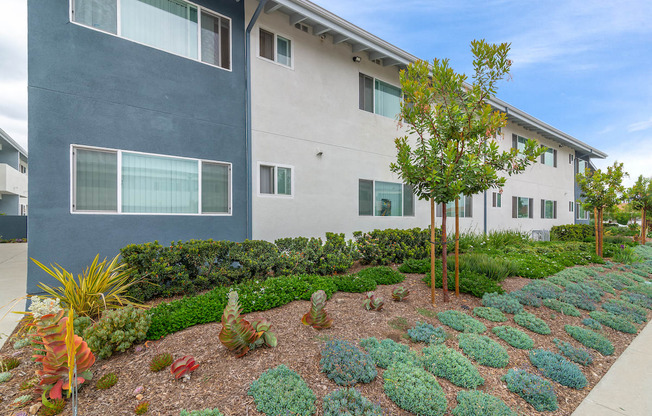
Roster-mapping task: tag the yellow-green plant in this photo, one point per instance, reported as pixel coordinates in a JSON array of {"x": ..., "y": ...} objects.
[{"x": 101, "y": 286}]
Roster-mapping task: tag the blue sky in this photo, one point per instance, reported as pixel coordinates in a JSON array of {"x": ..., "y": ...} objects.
[{"x": 585, "y": 67}]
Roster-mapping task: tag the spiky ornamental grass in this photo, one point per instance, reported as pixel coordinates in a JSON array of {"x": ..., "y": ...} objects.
[
  {"x": 531, "y": 322},
  {"x": 477, "y": 403},
  {"x": 280, "y": 391},
  {"x": 461, "y": 322},
  {"x": 514, "y": 337},
  {"x": 578, "y": 355},
  {"x": 543, "y": 289},
  {"x": 617, "y": 322},
  {"x": 8, "y": 364},
  {"x": 490, "y": 314},
  {"x": 349, "y": 402},
  {"x": 558, "y": 368},
  {"x": 620, "y": 307},
  {"x": 484, "y": 350},
  {"x": 453, "y": 366},
  {"x": 532, "y": 388},
  {"x": 590, "y": 339},
  {"x": 345, "y": 364},
  {"x": 424, "y": 332},
  {"x": 415, "y": 390},
  {"x": 387, "y": 352},
  {"x": 561, "y": 307},
  {"x": 504, "y": 302}
]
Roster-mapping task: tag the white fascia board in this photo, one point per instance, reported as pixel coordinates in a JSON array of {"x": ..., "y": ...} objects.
[{"x": 13, "y": 143}]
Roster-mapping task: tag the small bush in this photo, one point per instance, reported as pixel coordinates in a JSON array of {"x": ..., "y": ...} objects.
[
  {"x": 205, "y": 412},
  {"x": 469, "y": 282},
  {"x": 617, "y": 322},
  {"x": 393, "y": 245},
  {"x": 421, "y": 266},
  {"x": 641, "y": 288},
  {"x": 531, "y": 322},
  {"x": 590, "y": 339},
  {"x": 543, "y": 289},
  {"x": 526, "y": 298},
  {"x": 557, "y": 280},
  {"x": 561, "y": 307},
  {"x": 532, "y": 388},
  {"x": 635, "y": 298},
  {"x": 558, "y": 369},
  {"x": 579, "y": 355},
  {"x": 424, "y": 332},
  {"x": 461, "y": 322},
  {"x": 382, "y": 275},
  {"x": 490, "y": 314},
  {"x": 632, "y": 312},
  {"x": 280, "y": 391},
  {"x": 572, "y": 232},
  {"x": 617, "y": 281},
  {"x": 592, "y": 323},
  {"x": 585, "y": 290},
  {"x": 453, "y": 366},
  {"x": 349, "y": 402},
  {"x": 354, "y": 284},
  {"x": 415, "y": 390},
  {"x": 578, "y": 300},
  {"x": 477, "y": 403},
  {"x": 514, "y": 337},
  {"x": 484, "y": 350},
  {"x": 345, "y": 364},
  {"x": 117, "y": 330},
  {"x": 505, "y": 303},
  {"x": 387, "y": 352}
]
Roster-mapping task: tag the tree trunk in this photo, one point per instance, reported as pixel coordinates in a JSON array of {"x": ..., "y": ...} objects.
[
  {"x": 643, "y": 227},
  {"x": 595, "y": 224},
  {"x": 457, "y": 248},
  {"x": 444, "y": 253},
  {"x": 432, "y": 251},
  {"x": 600, "y": 231}
]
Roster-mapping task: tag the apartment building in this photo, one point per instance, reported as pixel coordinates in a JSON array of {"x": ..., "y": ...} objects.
[{"x": 13, "y": 177}]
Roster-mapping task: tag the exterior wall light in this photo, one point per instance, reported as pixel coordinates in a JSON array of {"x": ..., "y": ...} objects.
[{"x": 357, "y": 59}]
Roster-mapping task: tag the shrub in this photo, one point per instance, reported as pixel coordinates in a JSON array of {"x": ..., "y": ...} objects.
[
  {"x": 453, "y": 366},
  {"x": 557, "y": 368},
  {"x": 477, "y": 403},
  {"x": 505, "y": 303},
  {"x": 532, "y": 388},
  {"x": 561, "y": 307},
  {"x": 387, "y": 352},
  {"x": 484, "y": 350},
  {"x": 393, "y": 245},
  {"x": 635, "y": 298},
  {"x": 590, "y": 339},
  {"x": 572, "y": 232},
  {"x": 415, "y": 390},
  {"x": 514, "y": 337},
  {"x": 345, "y": 364},
  {"x": 354, "y": 284},
  {"x": 601, "y": 286},
  {"x": 280, "y": 391},
  {"x": 619, "y": 323},
  {"x": 420, "y": 266},
  {"x": 617, "y": 281},
  {"x": 543, "y": 289},
  {"x": 641, "y": 288},
  {"x": 629, "y": 310},
  {"x": 470, "y": 282},
  {"x": 579, "y": 300},
  {"x": 205, "y": 412},
  {"x": 557, "y": 280},
  {"x": 490, "y": 314},
  {"x": 526, "y": 298},
  {"x": 424, "y": 332},
  {"x": 579, "y": 355},
  {"x": 349, "y": 402},
  {"x": 585, "y": 290},
  {"x": 592, "y": 323},
  {"x": 531, "y": 322},
  {"x": 382, "y": 275},
  {"x": 5, "y": 376},
  {"x": 117, "y": 330},
  {"x": 461, "y": 321}
]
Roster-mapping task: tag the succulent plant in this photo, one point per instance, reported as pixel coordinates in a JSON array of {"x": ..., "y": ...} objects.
[
  {"x": 52, "y": 408},
  {"x": 373, "y": 302},
  {"x": 400, "y": 293},
  {"x": 21, "y": 401},
  {"x": 106, "y": 381},
  {"x": 5, "y": 376},
  {"x": 240, "y": 335},
  {"x": 160, "y": 361},
  {"x": 8, "y": 364},
  {"x": 141, "y": 408},
  {"x": 22, "y": 342},
  {"x": 317, "y": 317},
  {"x": 183, "y": 366},
  {"x": 29, "y": 383}
]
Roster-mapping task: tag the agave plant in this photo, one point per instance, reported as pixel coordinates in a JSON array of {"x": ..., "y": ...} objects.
[
  {"x": 107, "y": 381},
  {"x": 317, "y": 317},
  {"x": 160, "y": 361},
  {"x": 183, "y": 366},
  {"x": 240, "y": 335},
  {"x": 51, "y": 329},
  {"x": 400, "y": 293},
  {"x": 101, "y": 286},
  {"x": 373, "y": 302}
]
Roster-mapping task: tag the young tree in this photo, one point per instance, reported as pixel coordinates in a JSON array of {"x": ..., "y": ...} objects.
[
  {"x": 640, "y": 197},
  {"x": 451, "y": 147},
  {"x": 601, "y": 190}
]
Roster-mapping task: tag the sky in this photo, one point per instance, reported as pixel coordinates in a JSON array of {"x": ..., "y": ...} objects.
[{"x": 584, "y": 67}]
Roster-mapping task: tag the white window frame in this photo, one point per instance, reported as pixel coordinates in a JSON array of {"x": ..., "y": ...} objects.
[
  {"x": 497, "y": 197},
  {"x": 200, "y": 10},
  {"x": 373, "y": 95},
  {"x": 580, "y": 162},
  {"x": 551, "y": 153},
  {"x": 119, "y": 152},
  {"x": 276, "y": 166},
  {"x": 276, "y": 35},
  {"x": 373, "y": 201},
  {"x": 579, "y": 210},
  {"x": 518, "y": 140},
  {"x": 554, "y": 209}
]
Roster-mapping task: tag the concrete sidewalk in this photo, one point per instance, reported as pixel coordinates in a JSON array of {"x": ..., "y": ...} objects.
[
  {"x": 626, "y": 388},
  {"x": 13, "y": 285}
]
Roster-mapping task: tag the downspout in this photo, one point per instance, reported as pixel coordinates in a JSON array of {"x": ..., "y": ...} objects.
[
  {"x": 248, "y": 146},
  {"x": 485, "y": 212}
]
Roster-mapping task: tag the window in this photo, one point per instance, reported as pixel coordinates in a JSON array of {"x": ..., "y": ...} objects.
[
  {"x": 23, "y": 169},
  {"x": 497, "y": 200},
  {"x": 582, "y": 214},
  {"x": 116, "y": 181},
  {"x": 464, "y": 208},
  {"x": 385, "y": 199},
  {"x": 549, "y": 157},
  {"x": 571, "y": 157},
  {"x": 376, "y": 96},
  {"x": 582, "y": 165},
  {"x": 571, "y": 205},
  {"x": 522, "y": 207},
  {"x": 275, "y": 48},
  {"x": 275, "y": 179},
  {"x": 548, "y": 209},
  {"x": 519, "y": 142},
  {"x": 174, "y": 26}
]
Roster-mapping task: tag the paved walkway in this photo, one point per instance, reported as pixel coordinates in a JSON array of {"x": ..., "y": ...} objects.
[
  {"x": 626, "y": 388},
  {"x": 13, "y": 283}
]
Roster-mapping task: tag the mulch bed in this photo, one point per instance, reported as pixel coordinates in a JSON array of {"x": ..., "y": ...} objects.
[{"x": 222, "y": 380}]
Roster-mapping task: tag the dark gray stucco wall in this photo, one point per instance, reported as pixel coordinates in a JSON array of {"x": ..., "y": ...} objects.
[
  {"x": 13, "y": 226},
  {"x": 92, "y": 88}
]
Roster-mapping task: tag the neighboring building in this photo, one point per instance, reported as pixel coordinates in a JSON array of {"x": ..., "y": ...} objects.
[{"x": 13, "y": 177}]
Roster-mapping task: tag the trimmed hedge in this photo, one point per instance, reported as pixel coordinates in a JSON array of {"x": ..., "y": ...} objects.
[
  {"x": 415, "y": 390},
  {"x": 393, "y": 245},
  {"x": 453, "y": 366},
  {"x": 558, "y": 368},
  {"x": 572, "y": 232},
  {"x": 461, "y": 321},
  {"x": 484, "y": 350}
]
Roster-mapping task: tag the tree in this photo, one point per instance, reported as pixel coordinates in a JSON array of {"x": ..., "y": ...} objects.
[
  {"x": 640, "y": 197},
  {"x": 601, "y": 190},
  {"x": 451, "y": 147}
]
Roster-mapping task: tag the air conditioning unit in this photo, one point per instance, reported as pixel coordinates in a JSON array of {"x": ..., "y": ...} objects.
[{"x": 540, "y": 235}]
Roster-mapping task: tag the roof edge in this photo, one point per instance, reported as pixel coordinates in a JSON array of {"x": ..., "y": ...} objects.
[{"x": 12, "y": 142}]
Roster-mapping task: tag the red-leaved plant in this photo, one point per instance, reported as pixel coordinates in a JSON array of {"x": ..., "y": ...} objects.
[
  {"x": 317, "y": 317},
  {"x": 183, "y": 366},
  {"x": 240, "y": 335}
]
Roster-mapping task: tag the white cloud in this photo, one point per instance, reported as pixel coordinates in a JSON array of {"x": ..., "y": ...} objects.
[
  {"x": 636, "y": 156},
  {"x": 640, "y": 126}
]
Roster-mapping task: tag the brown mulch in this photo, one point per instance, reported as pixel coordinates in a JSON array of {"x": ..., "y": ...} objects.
[{"x": 222, "y": 380}]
